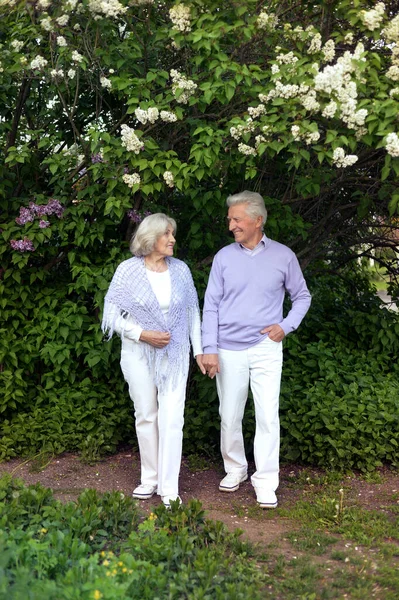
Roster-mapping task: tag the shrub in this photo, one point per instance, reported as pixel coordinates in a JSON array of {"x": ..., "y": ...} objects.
[{"x": 54, "y": 551}]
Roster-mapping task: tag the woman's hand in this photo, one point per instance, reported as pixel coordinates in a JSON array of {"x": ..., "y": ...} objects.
[
  {"x": 198, "y": 358},
  {"x": 158, "y": 339},
  {"x": 211, "y": 364}
]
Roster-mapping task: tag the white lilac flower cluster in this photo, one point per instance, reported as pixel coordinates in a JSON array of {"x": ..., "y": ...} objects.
[
  {"x": 131, "y": 179},
  {"x": 372, "y": 19},
  {"x": 150, "y": 115},
  {"x": 394, "y": 92},
  {"x": 256, "y": 111},
  {"x": 330, "y": 109},
  {"x": 71, "y": 73},
  {"x": 54, "y": 73},
  {"x": 62, "y": 20},
  {"x": 391, "y": 31},
  {"x": 393, "y": 71},
  {"x": 240, "y": 130},
  {"x": 61, "y": 41},
  {"x": 106, "y": 83},
  {"x": 336, "y": 81},
  {"x": 260, "y": 139},
  {"x": 349, "y": 38},
  {"x": 308, "y": 100},
  {"x": 287, "y": 59},
  {"x": 337, "y": 76},
  {"x": 315, "y": 44},
  {"x": 17, "y": 45},
  {"x": 71, "y": 4},
  {"x": 247, "y": 150},
  {"x": 130, "y": 141},
  {"x": 267, "y": 20},
  {"x": 392, "y": 144},
  {"x": 180, "y": 82},
  {"x": 106, "y": 8},
  {"x": 169, "y": 180},
  {"x": 46, "y": 24},
  {"x": 43, "y": 4},
  {"x": 305, "y": 95},
  {"x": 76, "y": 57},
  {"x": 328, "y": 51},
  {"x": 38, "y": 63},
  {"x": 168, "y": 116},
  {"x": 180, "y": 17},
  {"x": 153, "y": 114},
  {"x": 309, "y": 137},
  {"x": 296, "y": 132},
  {"x": 342, "y": 160}
]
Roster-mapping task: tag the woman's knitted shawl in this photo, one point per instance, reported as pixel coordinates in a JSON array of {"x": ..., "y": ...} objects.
[{"x": 131, "y": 293}]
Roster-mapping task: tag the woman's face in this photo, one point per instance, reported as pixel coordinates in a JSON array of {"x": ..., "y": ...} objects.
[{"x": 165, "y": 242}]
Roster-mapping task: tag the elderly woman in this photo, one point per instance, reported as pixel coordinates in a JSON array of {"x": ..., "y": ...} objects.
[{"x": 152, "y": 304}]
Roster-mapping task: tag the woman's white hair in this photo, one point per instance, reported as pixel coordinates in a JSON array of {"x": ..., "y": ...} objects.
[
  {"x": 147, "y": 233},
  {"x": 254, "y": 201}
]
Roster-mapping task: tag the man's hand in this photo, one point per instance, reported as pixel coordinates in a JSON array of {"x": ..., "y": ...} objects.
[
  {"x": 276, "y": 333},
  {"x": 198, "y": 358},
  {"x": 210, "y": 363},
  {"x": 158, "y": 339}
]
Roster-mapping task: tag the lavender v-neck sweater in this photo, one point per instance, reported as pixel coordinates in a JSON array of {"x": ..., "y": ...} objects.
[{"x": 245, "y": 293}]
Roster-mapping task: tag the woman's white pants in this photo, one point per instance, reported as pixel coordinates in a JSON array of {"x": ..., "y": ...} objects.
[
  {"x": 159, "y": 421},
  {"x": 260, "y": 367}
]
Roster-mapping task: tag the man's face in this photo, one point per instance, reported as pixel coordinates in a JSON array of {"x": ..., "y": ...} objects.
[{"x": 246, "y": 230}]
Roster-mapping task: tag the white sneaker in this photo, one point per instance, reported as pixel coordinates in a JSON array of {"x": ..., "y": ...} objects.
[
  {"x": 144, "y": 491},
  {"x": 168, "y": 499},
  {"x": 266, "y": 498},
  {"x": 231, "y": 482}
]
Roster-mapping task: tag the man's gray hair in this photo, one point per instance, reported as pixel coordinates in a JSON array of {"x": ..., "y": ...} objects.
[
  {"x": 147, "y": 233},
  {"x": 254, "y": 201}
]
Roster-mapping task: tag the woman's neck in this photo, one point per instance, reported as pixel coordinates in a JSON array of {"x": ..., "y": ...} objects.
[{"x": 155, "y": 262}]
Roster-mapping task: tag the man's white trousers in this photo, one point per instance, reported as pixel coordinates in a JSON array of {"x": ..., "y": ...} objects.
[
  {"x": 260, "y": 367},
  {"x": 159, "y": 422}
]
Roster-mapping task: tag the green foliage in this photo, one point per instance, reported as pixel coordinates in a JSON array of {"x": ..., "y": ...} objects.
[
  {"x": 55, "y": 551},
  {"x": 340, "y": 388}
]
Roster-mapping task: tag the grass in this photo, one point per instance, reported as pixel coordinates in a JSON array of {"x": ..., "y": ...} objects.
[{"x": 337, "y": 550}]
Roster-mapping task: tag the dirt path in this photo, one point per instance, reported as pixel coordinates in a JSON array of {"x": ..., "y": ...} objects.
[{"x": 68, "y": 477}]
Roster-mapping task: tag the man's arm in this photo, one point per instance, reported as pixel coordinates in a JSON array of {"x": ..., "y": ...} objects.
[{"x": 296, "y": 287}]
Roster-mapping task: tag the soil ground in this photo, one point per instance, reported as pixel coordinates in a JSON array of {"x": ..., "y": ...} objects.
[{"x": 68, "y": 476}]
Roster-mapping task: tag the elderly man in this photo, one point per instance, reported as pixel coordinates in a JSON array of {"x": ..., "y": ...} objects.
[{"x": 243, "y": 328}]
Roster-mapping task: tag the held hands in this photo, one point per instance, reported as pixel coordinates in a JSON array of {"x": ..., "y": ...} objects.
[
  {"x": 210, "y": 362},
  {"x": 158, "y": 339},
  {"x": 276, "y": 333},
  {"x": 199, "y": 358}
]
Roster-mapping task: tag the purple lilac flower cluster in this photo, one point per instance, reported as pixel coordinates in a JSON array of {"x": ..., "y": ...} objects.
[
  {"x": 97, "y": 158},
  {"x": 25, "y": 245},
  {"x": 136, "y": 217},
  {"x": 26, "y": 215}
]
